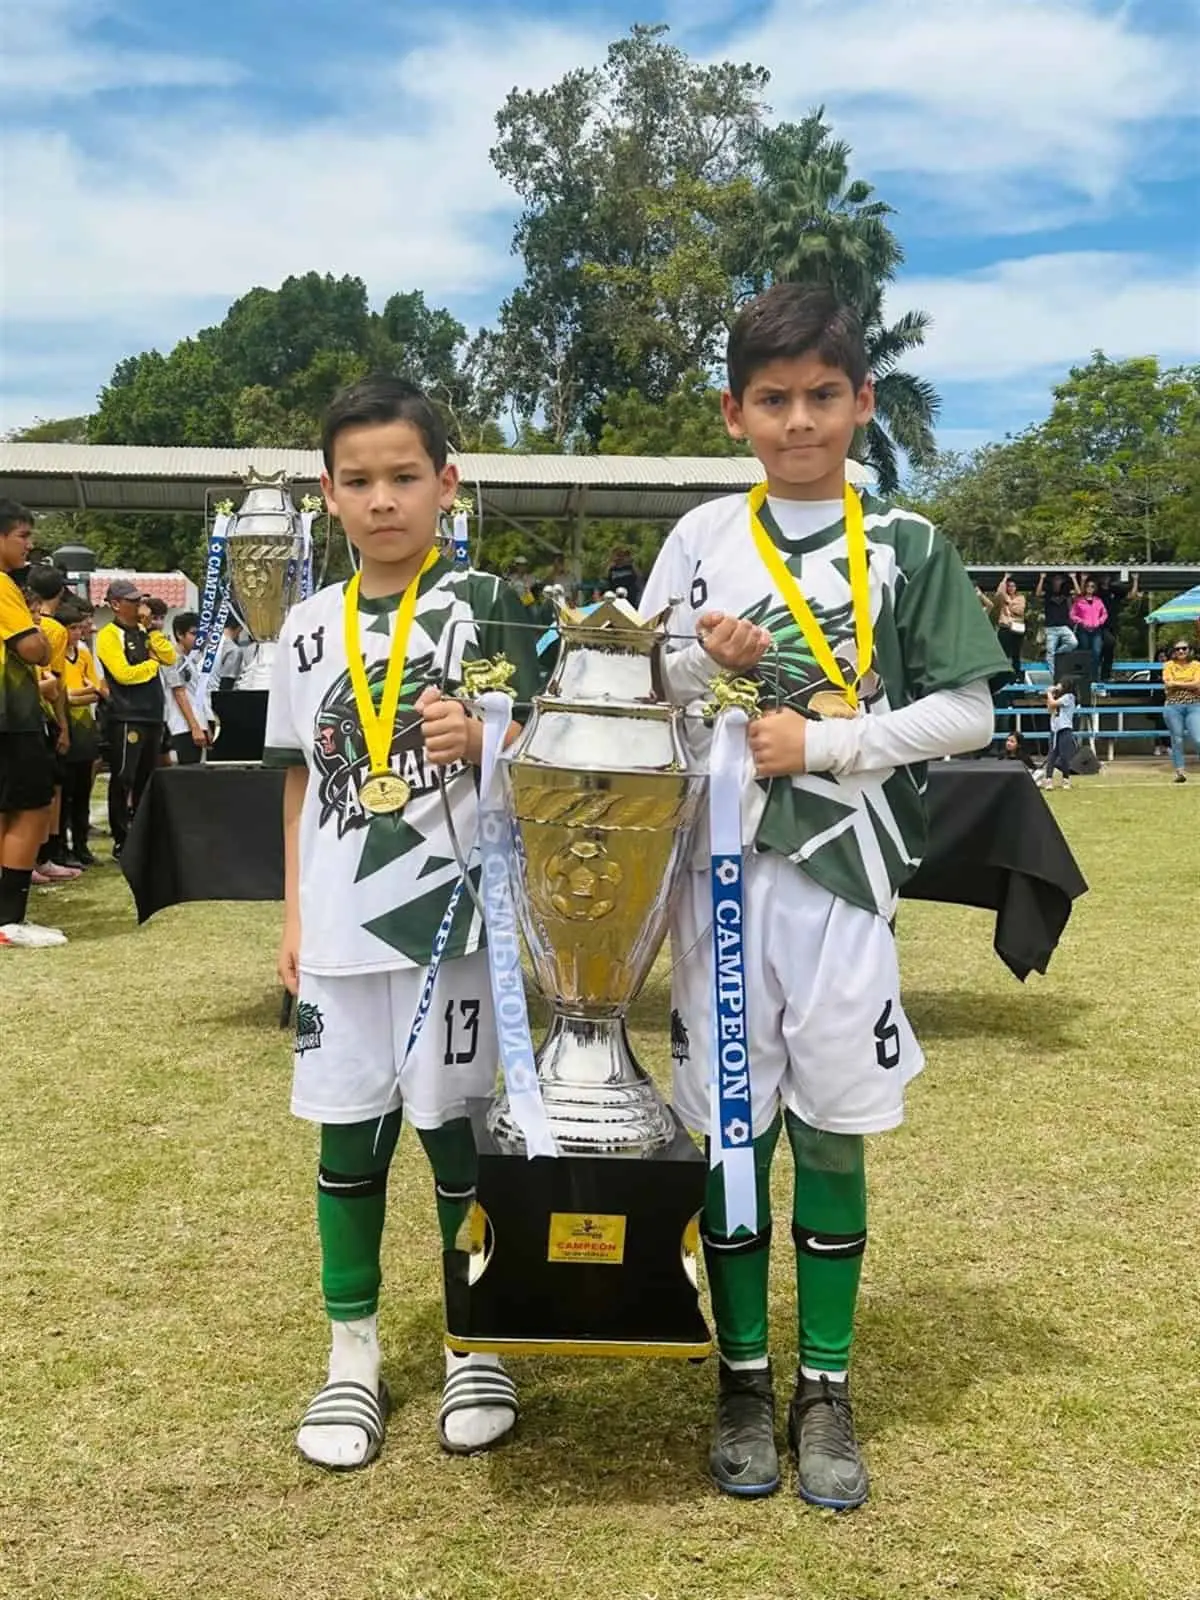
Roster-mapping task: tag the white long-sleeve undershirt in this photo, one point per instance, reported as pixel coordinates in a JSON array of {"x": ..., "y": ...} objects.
[{"x": 949, "y": 722}]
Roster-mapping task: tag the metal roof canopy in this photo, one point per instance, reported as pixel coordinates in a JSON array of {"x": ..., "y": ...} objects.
[
  {"x": 1164, "y": 575},
  {"x": 154, "y": 480}
]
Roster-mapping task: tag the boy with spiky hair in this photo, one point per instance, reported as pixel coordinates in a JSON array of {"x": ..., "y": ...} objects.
[
  {"x": 873, "y": 658},
  {"x": 368, "y": 739}
]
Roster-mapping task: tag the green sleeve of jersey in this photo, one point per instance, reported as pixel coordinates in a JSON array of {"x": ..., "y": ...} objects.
[
  {"x": 277, "y": 756},
  {"x": 946, "y": 638},
  {"x": 506, "y": 627}
]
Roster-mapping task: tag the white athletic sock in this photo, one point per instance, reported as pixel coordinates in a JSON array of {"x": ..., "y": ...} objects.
[
  {"x": 476, "y": 1427},
  {"x": 353, "y": 1358},
  {"x": 814, "y": 1373},
  {"x": 755, "y": 1364}
]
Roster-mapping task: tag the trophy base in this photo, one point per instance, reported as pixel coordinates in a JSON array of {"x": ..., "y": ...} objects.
[
  {"x": 598, "y": 1100},
  {"x": 581, "y": 1255}
]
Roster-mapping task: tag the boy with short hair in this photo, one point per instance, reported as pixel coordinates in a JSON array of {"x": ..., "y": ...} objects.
[
  {"x": 132, "y": 659},
  {"x": 84, "y": 691},
  {"x": 874, "y": 657},
  {"x": 185, "y": 722},
  {"x": 47, "y": 587},
  {"x": 367, "y": 739},
  {"x": 26, "y": 761}
]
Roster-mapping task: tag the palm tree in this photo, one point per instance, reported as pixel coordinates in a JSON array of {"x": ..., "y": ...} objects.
[
  {"x": 906, "y": 406},
  {"x": 819, "y": 226}
]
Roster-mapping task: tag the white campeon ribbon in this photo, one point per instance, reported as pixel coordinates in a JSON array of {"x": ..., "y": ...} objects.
[
  {"x": 208, "y": 629},
  {"x": 496, "y": 859},
  {"x": 493, "y": 843},
  {"x": 307, "y": 518},
  {"x": 731, "y": 1129}
]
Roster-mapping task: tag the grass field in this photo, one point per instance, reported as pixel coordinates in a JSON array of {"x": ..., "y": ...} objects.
[{"x": 1027, "y": 1370}]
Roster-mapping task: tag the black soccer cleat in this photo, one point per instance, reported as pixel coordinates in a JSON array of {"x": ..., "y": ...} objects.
[
  {"x": 743, "y": 1459},
  {"x": 831, "y": 1470}
]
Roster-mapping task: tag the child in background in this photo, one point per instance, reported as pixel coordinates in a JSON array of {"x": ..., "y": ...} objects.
[
  {"x": 1015, "y": 749},
  {"x": 84, "y": 691},
  {"x": 47, "y": 588},
  {"x": 186, "y": 727},
  {"x": 1060, "y": 702}
]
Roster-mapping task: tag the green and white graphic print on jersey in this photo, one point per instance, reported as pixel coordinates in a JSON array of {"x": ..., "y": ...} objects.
[
  {"x": 373, "y": 889},
  {"x": 860, "y": 836}
]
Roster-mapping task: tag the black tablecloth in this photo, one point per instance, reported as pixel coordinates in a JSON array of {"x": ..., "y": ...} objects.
[{"x": 215, "y": 833}]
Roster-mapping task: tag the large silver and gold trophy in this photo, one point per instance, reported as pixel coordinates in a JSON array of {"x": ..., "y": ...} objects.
[
  {"x": 265, "y": 548},
  {"x": 594, "y": 1251},
  {"x": 264, "y": 553}
]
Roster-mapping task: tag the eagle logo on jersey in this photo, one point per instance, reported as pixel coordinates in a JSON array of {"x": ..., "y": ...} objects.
[
  {"x": 789, "y": 672},
  {"x": 340, "y": 751}
]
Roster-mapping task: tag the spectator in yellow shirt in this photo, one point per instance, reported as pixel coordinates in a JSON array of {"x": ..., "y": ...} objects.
[
  {"x": 26, "y": 767},
  {"x": 1181, "y": 680},
  {"x": 47, "y": 585}
]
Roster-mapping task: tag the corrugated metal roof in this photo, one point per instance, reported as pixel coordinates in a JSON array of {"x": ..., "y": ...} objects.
[{"x": 145, "y": 478}]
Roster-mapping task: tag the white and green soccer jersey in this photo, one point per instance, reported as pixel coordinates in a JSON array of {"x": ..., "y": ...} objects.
[
  {"x": 860, "y": 836},
  {"x": 374, "y": 889}
]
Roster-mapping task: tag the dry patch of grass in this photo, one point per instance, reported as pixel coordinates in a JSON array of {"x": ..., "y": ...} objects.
[{"x": 1026, "y": 1369}]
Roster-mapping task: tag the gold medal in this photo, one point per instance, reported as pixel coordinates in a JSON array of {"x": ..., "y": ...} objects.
[
  {"x": 831, "y": 703},
  {"x": 844, "y": 691},
  {"x": 385, "y": 793}
]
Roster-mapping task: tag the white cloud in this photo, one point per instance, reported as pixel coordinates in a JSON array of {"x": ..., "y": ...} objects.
[
  {"x": 1000, "y": 115},
  {"x": 47, "y": 56},
  {"x": 400, "y": 191},
  {"x": 1044, "y": 312},
  {"x": 980, "y": 98}
]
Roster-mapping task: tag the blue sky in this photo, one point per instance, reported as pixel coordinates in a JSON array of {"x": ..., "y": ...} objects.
[{"x": 163, "y": 156}]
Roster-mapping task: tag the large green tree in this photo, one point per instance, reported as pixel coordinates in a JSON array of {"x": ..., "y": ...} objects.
[
  {"x": 637, "y": 211},
  {"x": 265, "y": 374},
  {"x": 1111, "y": 476}
]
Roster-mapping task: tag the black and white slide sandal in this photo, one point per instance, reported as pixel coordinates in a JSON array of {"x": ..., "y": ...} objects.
[
  {"x": 350, "y": 1405},
  {"x": 468, "y": 1389}
]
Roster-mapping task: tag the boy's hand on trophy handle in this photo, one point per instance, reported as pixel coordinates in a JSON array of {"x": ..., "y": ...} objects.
[
  {"x": 732, "y": 642},
  {"x": 777, "y": 743}
]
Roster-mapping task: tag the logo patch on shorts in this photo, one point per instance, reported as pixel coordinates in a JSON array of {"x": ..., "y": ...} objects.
[{"x": 310, "y": 1025}]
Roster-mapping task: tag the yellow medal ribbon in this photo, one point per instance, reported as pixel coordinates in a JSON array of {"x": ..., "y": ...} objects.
[
  {"x": 379, "y": 726},
  {"x": 860, "y": 593}
]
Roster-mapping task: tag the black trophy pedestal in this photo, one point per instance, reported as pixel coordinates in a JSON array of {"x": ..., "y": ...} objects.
[{"x": 582, "y": 1255}]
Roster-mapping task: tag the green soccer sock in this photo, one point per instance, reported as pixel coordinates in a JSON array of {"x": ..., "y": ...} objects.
[
  {"x": 451, "y": 1152},
  {"x": 830, "y": 1231},
  {"x": 351, "y": 1203},
  {"x": 738, "y": 1266}
]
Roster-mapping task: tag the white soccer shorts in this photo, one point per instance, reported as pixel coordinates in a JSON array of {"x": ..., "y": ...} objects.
[
  {"x": 828, "y": 1035},
  {"x": 352, "y": 1031}
]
